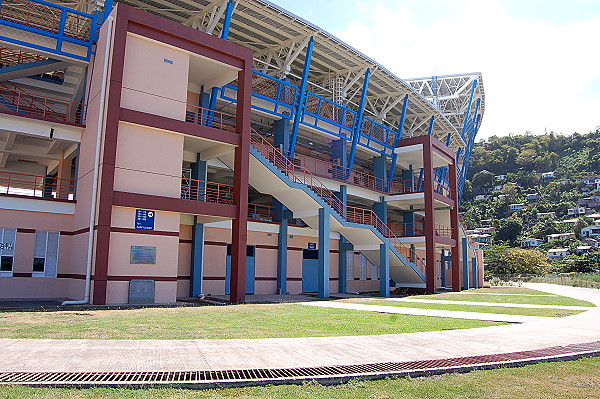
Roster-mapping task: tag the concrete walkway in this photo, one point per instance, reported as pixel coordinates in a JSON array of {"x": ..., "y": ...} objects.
[
  {"x": 491, "y": 304},
  {"x": 453, "y": 314},
  {"x": 91, "y": 355}
]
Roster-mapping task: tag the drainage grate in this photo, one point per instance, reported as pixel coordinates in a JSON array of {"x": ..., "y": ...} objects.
[{"x": 255, "y": 376}]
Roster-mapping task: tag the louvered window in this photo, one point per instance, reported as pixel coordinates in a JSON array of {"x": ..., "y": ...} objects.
[{"x": 45, "y": 256}]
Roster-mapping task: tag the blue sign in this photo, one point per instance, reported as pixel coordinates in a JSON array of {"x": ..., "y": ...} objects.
[
  {"x": 312, "y": 245},
  {"x": 144, "y": 220}
]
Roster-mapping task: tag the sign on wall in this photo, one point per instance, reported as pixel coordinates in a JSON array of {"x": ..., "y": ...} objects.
[
  {"x": 144, "y": 219},
  {"x": 312, "y": 245},
  {"x": 143, "y": 255},
  {"x": 6, "y": 246}
]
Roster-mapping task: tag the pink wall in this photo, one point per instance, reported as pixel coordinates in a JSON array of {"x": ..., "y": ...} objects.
[{"x": 155, "y": 78}]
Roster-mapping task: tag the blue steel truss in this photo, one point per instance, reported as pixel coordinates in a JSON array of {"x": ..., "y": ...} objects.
[{"x": 48, "y": 27}]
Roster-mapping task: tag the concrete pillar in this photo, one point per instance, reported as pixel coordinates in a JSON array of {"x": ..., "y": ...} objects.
[
  {"x": 384, "y": 270},
  {"x": 380, "y": 209},
  {"x": 455, "y": 228},
  {"x": 323, "y": 263},
  {"x": 339, "y": 154},
  {"x": 430, "y": 255},
  {"x": 198, "y": 185},
  {"x": 281, "y": 129},
  {"x": 64, "y": 185},
  {"x": 197, "y": 265},
  {"x": 474, "y": 277},
  {"x": 344, "y": 246},
  {"x": 465, "y": 264},
  {"x": 408, "y": 177},
  {"x": 408, "y": 218},
  {"x": 281, "y": 215},
  {"x": 379, "y": 170}
]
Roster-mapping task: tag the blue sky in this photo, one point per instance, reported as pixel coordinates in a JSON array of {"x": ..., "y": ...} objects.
[{"x": 539, "y": 58}]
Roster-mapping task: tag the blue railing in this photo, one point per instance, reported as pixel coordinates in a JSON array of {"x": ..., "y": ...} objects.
[
  {"x": 327, "y": 116},
  {"x": 269, "y": 94},
  {"x": 377, "y": 137},
  {"x": 45, "y": 26}
]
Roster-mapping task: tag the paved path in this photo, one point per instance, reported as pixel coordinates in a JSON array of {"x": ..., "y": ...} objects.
[
  {"x": 454, "y": 314},
  {"x": 88, "y": 355},
  {"x": 492, "y": 304}
]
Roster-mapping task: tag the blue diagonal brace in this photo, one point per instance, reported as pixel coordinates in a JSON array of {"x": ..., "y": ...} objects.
[
  {"x": 359, "y": 122},
  {"x": 399, "y": 134},
  {"x": 302, "y": 96},
  {"x": 227, "y": 20}
]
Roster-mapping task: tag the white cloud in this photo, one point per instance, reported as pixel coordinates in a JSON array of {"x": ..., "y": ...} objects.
[{"x": 535, "y": 73}]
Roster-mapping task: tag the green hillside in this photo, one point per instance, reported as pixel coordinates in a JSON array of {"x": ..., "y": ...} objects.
[{"x": 504, "y": 170}]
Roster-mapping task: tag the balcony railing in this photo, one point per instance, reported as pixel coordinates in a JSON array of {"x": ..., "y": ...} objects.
[
  {"x": 36, "y": 186},
  {"x": 333, "y": 171},
  {"x": 14, "y": 99},
  {"x": 406, "y": 187},
  {"x": 262, "y": 213},
  {"x": 210, "y": 118},
  {"x": 9, "y": 57},
  {"x": 444, "y": 231},
  {"x": 200, "y": 190},
  {"x": 408, "y": 229}
]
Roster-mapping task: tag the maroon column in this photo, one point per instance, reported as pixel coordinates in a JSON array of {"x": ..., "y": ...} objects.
[
  {"x": 429, "y": 216},
  {"x": 456, "y": 269},
  {"x": 239, "y": 232}
]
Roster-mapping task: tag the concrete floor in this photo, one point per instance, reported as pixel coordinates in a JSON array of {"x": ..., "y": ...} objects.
[{"x": 213, "y": 354}]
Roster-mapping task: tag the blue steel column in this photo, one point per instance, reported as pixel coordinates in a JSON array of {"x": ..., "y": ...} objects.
[
  {"x": 384, "y": 270},
  {"x": 344, "y": 246},
  {"x": 340, "y": 158},
  {"x": 227, "y": 20},
  {"x": 399, "y": 134},
  {"x": 380, "y": 209},
  {"x": 359, "y": 121},
  {"x": 302, "y": 96},
  {"x": 475, "y": 283},
  {"x": 197, "y": 261},
  {"x": 280, "y": 213},
  {"x": 465, "y": 261},
  {"x": 431, "y": 125},
  {"x": 323, "y": 263},
  {"x": 379, "y": 170}
]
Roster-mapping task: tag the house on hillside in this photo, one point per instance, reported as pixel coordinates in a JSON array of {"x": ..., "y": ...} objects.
[
  {"x": 548, "y": 175},
  {"x": 558, "y": 253},
  {"x": 479, "y": 197},
  {"x": 592, "y": 231},
  {"x": 486, "y": 230},
  {"x": 589, "y": 202},
  {"x": 500, "y": 177},
  {"x": 486, "y": 223},
  {"x": 515, "y": 207},
  {"x": 485, "y": 239},
  {"x": 532, "y": 197},
  {"x": 546, "y": 215},
  {"x": 559, "y": 236},
  {"x": 582, "y": 249},
  {"x": 579, "y": 211},
  {"x": 568, "y": 221},
  {"x": 531, "y": 242}
]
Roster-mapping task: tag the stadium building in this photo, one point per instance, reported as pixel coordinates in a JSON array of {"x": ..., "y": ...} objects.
[{"x": 158, "y": 149}]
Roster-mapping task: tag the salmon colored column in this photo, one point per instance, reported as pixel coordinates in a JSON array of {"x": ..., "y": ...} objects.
[
  {"x": 429, "y": 217},
  {"x": 64, "y": 184},
  {"x": 456, "y": 269},
  {"x": 239, "y": 232}
]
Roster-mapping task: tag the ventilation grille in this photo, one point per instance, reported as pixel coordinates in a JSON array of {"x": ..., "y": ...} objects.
[{"x": 253, "y": 376}]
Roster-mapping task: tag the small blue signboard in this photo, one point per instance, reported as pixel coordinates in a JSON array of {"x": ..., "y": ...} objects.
[
  {"x": 144, "y": 220},
  {"x": 312, "y": 245}
]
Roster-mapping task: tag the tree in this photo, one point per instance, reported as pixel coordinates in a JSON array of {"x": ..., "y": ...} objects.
[
  {"x": 504, "y": 260},
  {"x": 508, "y": 230},
  {"x": 484, "y": 178}
]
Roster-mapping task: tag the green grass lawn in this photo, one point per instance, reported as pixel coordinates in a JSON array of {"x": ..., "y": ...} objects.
[
  {"x": 219, "y": 322},
  {"x": 561, "y": 380},
  {"x": 505, "y": 290},
  {"x": 473, "y": 308},
  {"x": 475, "y": 296}
]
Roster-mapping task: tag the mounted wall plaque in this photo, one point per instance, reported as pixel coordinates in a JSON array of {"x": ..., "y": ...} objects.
[{"x": 143, "y": 255}]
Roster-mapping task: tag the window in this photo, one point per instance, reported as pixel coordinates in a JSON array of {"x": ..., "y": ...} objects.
[
  {"x": 7, "y": 251},
  {"x": 45, "y": 255}
]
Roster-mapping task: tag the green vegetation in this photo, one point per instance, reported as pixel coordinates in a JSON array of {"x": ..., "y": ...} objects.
[
  {"x": 220, "y": 322},
  {"x": 561, "y": 380},
  {"x": 475, "y": 308},
  {"x": 506, "y": 169},
  {"x": 527, "y": 300}
]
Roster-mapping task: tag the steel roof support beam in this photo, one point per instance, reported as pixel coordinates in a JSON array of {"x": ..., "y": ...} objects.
[
  {"x": 227, "y": 21},
  {"x": 302, "y": 97},
  {"x": 359, "y": 122}
]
